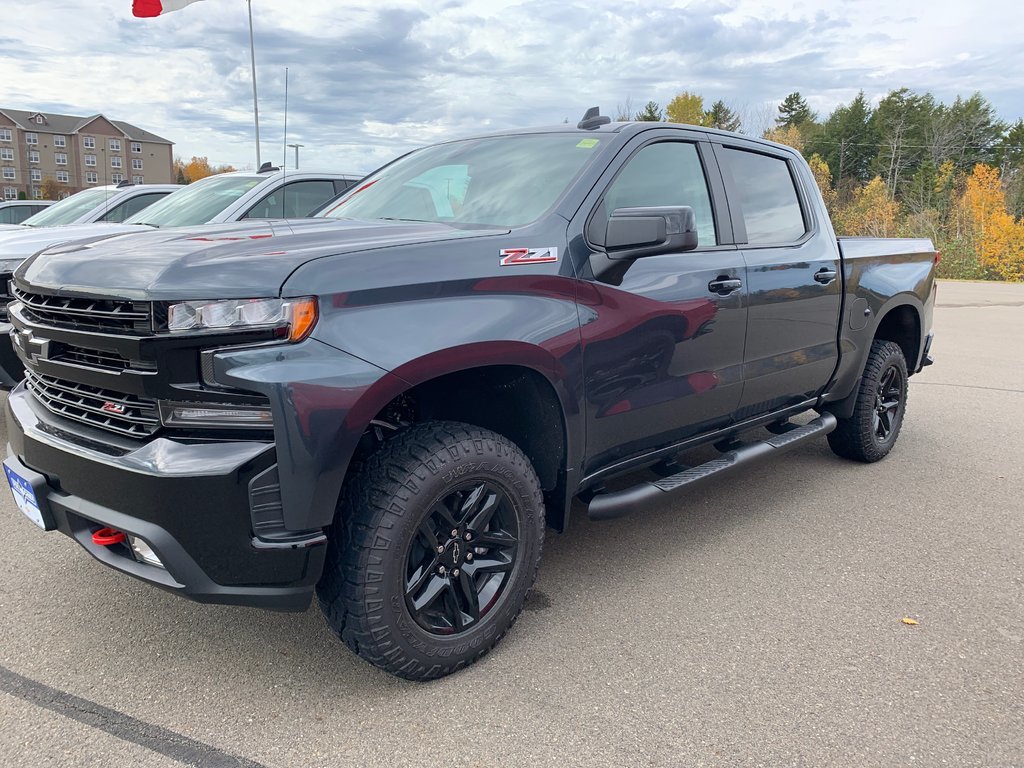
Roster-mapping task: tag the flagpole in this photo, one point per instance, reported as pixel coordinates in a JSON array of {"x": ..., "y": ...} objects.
[{"x": 255, "y": 103}]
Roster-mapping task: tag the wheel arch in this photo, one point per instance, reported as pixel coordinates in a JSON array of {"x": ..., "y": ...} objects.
[{"x": 512, "y": 388}]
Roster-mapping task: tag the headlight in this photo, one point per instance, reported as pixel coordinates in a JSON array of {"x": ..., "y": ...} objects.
[{"x": 298, "y": 315}]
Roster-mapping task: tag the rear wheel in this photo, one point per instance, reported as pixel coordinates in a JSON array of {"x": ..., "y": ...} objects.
[
  {"x": 436, "y": 544},
  {"x": 871, "y": 432}
]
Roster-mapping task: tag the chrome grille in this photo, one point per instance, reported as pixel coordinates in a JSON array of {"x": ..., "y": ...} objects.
[
  {"x": 103, "y": 408},
  {"x": 112, "y": 315}
]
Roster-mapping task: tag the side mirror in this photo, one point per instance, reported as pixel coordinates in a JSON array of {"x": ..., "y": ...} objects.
[{"x": 635, "y": 233}]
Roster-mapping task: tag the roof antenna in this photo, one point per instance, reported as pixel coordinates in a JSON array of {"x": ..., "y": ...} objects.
[{"x": 593, "y": 119}]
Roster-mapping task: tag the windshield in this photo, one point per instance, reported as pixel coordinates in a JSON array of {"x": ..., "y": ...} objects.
[
  {"x": 197, "y": 203},
  {"x": 504, "y": 181},
  {"x": 70, "y": 209}
]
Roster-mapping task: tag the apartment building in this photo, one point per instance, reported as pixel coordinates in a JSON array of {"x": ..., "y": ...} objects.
[{"x": 77, "y": 153}]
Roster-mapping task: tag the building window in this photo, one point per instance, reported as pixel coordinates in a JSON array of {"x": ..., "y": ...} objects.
[
  {"x": 33, "y": 155},
  {"x": 60, "y": 158},
  {"x": 31, "y": 138},
  {"x": 91, "y": 177},
  {"x": 137, "y": 147},
  {"x": 62, "y": 177},
  {"x": 6, "y": 153},
  {"x": 63, "y": 195},
  {"x": 10, "y": 193},
  {"x": 37, "y": 175},
  {"x": 37, "y": 193},
  {"x": 5, "y": 134},
  {"x": 89, "y": 142},
  {"x": 138, "y": 180},
  {"x": 39, "y": 120},
  {"x": 90, "y": 160},
  {"x": 115, "y": 162},
  {"x": 9, "y": 173},
  {"x": 59, "y": 141},
  {"x": 137, "y": 163},
  {"x": 116, "y": 178},
  {"x": 114, "y": 145}
]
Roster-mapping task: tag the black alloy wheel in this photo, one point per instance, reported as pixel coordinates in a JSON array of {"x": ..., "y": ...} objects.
[
  {"x": 888, "y": 402},
  {"x": 461, "y": 558},
  {"x": 435, "y": 545}
]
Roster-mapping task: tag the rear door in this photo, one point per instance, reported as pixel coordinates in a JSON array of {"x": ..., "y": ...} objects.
[
  {"x": 793, "y": 279},
  {"x": 663, "y": 349}
]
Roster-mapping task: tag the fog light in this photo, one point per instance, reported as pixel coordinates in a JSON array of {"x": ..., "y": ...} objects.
[{"x": 144, "y": 553}]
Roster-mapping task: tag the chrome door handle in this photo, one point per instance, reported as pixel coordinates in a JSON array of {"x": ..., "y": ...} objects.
[
  {"x": 825, "y": 275},
  {"x": 723, "y": 285}
]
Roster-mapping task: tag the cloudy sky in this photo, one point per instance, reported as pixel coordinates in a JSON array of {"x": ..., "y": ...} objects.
[{"x": 370, "y": 79}]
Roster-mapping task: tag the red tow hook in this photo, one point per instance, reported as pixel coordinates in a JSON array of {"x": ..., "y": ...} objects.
[{"x": 108, "y": 537}]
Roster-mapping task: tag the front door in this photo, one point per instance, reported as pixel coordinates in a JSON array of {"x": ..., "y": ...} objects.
[{"x": 663, "y": 350}]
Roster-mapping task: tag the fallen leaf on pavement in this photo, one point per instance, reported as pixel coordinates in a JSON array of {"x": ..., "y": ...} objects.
[{"x": 910, "y": 621}]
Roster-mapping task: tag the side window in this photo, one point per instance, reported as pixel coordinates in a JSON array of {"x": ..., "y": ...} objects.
[
  {"x": 667, "y": 173},
  {"x": 767, "y": 196},
  {"x": 293, "y": 201},
  {"x": 130, "y": 207},
  {"x": 7, "y": 215}
]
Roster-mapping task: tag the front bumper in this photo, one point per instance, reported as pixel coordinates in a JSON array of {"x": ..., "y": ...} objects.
[{"x": 190, "y": 501}]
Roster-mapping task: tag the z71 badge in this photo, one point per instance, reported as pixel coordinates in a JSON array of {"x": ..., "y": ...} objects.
[{"x": 512, "y": 257}]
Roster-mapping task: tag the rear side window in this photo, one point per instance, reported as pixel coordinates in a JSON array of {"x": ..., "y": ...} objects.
[
  {"x": 132, "y": 206},
  {"x": 767, "y": 196},
  {"x": 667, "y": 173},
  {"x": 293, "y": 201}
]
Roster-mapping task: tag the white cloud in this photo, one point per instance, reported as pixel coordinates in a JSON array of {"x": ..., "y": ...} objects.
[{"x": 372, "y": 78}]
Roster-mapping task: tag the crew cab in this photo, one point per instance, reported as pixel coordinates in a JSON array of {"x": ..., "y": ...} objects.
[{"x": 387, "y": 406}]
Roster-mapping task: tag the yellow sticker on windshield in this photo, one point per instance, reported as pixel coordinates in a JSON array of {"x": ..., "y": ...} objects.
[{"x": 588, "y": 143}]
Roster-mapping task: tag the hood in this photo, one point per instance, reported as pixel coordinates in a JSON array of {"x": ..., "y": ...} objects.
[
  {"x": 27, "y": 241},
  {"x": 240, "y": 260}
]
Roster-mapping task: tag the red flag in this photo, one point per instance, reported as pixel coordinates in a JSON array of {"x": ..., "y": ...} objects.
[{"x": 145, "y": 9}]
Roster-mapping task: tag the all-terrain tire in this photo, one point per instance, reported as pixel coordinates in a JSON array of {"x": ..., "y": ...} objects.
[
  {"x": 871, "y": 432},
  {"x": 388, "y": 513}
]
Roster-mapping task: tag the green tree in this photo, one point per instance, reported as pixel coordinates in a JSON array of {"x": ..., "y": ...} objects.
[
  {"x": 721, "y": 117},
  {"x": 967, "y": 132},
  {"x": 900, "y": 123},
  {"x": 686, "y": 108},
  {"x": 794, "y": 111},
  {"x": 847, "y": 141},
  {"x": 650, "y": 113}
]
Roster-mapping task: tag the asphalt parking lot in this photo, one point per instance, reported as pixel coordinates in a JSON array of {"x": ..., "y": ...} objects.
[{"x": 757, "y": 622}]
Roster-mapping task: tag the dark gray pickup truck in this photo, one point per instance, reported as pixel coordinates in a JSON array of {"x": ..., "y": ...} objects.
[{"x": 385, "y": 406}]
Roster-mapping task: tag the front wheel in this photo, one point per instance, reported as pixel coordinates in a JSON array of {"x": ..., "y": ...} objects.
[
  {"x": 437, "y": 543},
  {"x": 871, "y": 432}
]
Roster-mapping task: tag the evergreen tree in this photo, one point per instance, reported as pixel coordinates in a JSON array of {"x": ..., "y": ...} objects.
[
  {"x": 650, "y": 113},
  {"x": 794, "y": 111},
  {"x": 848, "y": 142},
  {"x": 721, "y": 117}
]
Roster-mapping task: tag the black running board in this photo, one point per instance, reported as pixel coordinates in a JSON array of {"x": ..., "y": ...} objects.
[{"x": 606, "y": 506}]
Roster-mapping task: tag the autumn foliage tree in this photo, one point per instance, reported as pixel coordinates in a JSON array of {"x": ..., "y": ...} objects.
[
  {"x": 686, "y": 108},
  {"x": 195, "y": 169},
  {"x": 51, "y": 189},
  {"x": 997, "y": 237}
]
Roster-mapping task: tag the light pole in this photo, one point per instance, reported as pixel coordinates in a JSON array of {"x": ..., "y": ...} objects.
[{"x": 296, "y": 146}]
